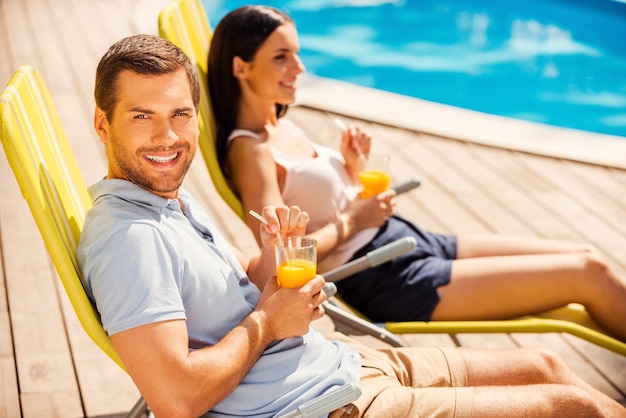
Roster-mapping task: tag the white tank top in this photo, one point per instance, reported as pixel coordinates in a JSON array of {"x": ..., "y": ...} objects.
[{"x": 321, "y": 186}]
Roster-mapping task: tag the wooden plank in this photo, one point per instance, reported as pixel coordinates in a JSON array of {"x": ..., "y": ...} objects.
[
  {"x": 493, "y": 341},
  {"x": 542, "y": 190},
  {"x": 47, "y": 404},
  {"x": 9, "y": 396},
  {"x": 479, "y": 187},
  {"x": 9, "y": 393},
  {"x": 444, "y": 189},
  {"x": 619, "y": 176},
  {"x": 104, "y": 387},
  {"x": 19, "y": 36},
  {"x": 74, "y": 43},
  {"x": 6, "y": 64},
  {"x": 595, "y": 212},
  {"x": 69, "y": 77},
  {"x": 509, "y": 183},
  {"x": 43, "y": 359},
  {"x": 599, "y": 185}
]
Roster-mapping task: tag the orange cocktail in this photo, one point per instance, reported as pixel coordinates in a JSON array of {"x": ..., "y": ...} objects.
[
  {"x": 373, "y": 182},
  {"x": 374, "y": 175},
  {"x": 296, "y": 261},
  {"x": 295, "y": 273}
]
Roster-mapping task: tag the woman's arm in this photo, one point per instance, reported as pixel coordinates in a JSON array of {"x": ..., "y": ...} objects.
[
  {"x": 255, "y": 179},
  {"x": 354, "y": 144}
]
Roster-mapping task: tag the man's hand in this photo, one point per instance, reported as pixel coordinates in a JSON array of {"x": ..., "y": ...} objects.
[
  {"x": 288, "y": 221},
  {"x": 289, "y": 312}
]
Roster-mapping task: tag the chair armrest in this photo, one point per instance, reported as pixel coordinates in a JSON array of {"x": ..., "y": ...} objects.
[
  {"x": 371, "y": 259},
  {"x": 406, "y": 186},
  {"x": 327, "y": 403}
]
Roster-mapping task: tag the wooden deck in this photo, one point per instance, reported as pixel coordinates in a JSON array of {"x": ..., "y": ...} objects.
[{"x": 50, "y": 368}]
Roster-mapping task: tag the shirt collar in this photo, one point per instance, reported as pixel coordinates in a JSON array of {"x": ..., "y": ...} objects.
[{"x": 129, "y": 191}]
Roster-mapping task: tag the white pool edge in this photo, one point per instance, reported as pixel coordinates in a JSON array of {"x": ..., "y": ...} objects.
[{"x": 460, "y": 124}]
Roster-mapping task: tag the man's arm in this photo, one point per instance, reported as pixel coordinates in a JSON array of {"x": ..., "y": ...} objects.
[{"x": 178, "y": 383}]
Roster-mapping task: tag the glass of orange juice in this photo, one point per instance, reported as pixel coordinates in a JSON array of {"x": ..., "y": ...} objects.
[
  {"x": 296, "y": 261},
  {"x": 374, "y": 175}
]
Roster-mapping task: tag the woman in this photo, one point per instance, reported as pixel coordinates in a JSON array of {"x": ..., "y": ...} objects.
[{"x": 253, "y": 67}]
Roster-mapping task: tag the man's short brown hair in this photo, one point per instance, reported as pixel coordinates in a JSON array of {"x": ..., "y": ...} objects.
[{"x": 141, "y": 54}]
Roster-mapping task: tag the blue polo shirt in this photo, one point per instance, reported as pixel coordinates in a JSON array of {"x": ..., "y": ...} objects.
[{"x": 146, "y": 259}]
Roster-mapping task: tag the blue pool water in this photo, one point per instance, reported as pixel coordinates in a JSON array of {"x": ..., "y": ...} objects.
[{"x": 559, "y": 62}]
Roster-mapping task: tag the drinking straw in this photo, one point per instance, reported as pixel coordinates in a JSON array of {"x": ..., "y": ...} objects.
[
  {"x": 344, "y": 127},
  {"x": 279, "y": 238}
]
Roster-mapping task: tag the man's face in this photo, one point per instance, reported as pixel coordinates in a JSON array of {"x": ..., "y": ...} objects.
[{"x": 152, "y": 135}]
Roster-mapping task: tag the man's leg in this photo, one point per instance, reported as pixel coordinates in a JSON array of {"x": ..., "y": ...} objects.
[{"x": 531, "y": 382}]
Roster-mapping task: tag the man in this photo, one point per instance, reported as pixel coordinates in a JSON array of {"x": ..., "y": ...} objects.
[{"x": 201, "y": 328}]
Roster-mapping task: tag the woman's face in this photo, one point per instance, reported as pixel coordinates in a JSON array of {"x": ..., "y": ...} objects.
[{"x": 272, "y": 73}]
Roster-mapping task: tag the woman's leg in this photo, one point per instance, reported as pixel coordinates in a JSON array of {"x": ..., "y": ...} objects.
[
  {"x": 472, "y": 246},
  {"x": 509, "y": 286},
  {"x": 531, "y": 382}
]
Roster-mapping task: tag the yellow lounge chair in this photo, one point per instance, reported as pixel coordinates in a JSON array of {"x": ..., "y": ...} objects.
[
  {"x": 41, "y": 159},
  {"x": 181, "y": 23}
]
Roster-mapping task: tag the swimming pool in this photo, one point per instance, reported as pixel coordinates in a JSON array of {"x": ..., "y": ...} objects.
[{"x": 561, "y": 62}]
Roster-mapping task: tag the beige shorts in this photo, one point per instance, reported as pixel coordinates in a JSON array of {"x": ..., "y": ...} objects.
[{"x": 409, "y": 382}]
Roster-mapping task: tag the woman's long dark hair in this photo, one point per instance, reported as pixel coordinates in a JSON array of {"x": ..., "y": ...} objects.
[{"x": 239, "y": 34}]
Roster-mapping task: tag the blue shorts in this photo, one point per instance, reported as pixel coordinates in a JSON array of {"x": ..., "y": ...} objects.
[{"x": 404, "y": 289}]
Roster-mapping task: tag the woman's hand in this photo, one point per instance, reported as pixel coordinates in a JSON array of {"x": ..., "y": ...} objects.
[
  {"x": 354, "y": 143},
  {"x": 370, "y": 212},
  {"x": 288, "y": 221}
]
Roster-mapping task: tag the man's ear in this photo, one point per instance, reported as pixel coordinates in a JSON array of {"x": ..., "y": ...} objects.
[
  {"x": 101, "y": 124},
  {"x": 239, "y": 67}
]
